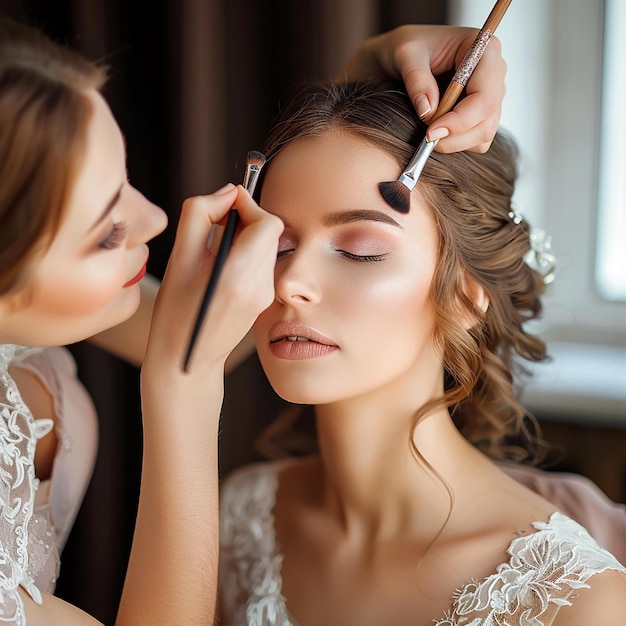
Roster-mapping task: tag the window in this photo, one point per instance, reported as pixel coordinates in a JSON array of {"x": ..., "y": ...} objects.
[
  {"x": 611, "y": 239},
  {"x": 553, "y": 107}
]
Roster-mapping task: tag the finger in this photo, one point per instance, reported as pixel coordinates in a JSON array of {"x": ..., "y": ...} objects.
[
  {"x": 198, "y": 215},
  {"x": 259, "y": 232},
  {"x": 471, "y": 125},
  {"x": 474, "y": 121},
  {"x": 250, "y": 213},
  {"x": 413, "y": 63}
]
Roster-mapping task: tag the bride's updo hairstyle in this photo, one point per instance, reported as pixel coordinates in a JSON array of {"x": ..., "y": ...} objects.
[
  {"x": 44, "y": 112},
  {"x": 481, "y": 242}
]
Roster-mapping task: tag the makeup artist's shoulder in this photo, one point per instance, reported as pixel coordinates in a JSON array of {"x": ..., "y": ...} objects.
[{"x": 604, "y": 602}]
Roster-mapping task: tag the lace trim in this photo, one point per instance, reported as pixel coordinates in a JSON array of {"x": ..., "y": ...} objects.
[
  {"x": 545, "y": 568},
  {"x": 19, "y": 432},
  {"x": 250, "y": 563}
]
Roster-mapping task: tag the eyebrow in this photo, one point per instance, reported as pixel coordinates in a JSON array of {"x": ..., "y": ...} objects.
[
  {"x": 360, "y": 215},
  {"x": 108, "y": 208}
]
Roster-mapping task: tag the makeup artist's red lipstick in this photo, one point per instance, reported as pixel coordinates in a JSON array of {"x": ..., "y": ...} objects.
[{"x": 138, "y": 277}]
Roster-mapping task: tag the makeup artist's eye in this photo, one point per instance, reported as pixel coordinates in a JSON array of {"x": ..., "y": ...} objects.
[
  {"x": 115, "y": 237},
  {"x": 362, "y": 258}
]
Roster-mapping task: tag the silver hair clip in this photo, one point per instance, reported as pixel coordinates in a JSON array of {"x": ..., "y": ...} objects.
[{"x": 540, "y": 257}]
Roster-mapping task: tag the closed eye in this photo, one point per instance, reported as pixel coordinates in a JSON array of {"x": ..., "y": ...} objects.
[{"x": 362, "y": 258}]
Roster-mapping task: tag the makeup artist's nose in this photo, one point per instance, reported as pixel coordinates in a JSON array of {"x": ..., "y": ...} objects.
[
  {"x": 295, "y": 281},
  {"x": 146, "y": 219}
]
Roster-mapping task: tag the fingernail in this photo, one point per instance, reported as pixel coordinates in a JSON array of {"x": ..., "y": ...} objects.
[
  {"x": 437, "y": 133},
  {"x": 423, "y": 106},
  {"x": 225, "y": 189}
]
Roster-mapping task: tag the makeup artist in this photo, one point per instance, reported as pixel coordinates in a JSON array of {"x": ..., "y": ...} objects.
[{"x": 73, "y": 251}]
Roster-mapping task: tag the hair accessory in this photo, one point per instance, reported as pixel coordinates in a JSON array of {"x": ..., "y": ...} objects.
[
  {"x": 540, "y": 257},
  {"x": 515, "y": 215}
]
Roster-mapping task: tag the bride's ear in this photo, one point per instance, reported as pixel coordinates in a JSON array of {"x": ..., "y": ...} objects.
[{"x": 475, "y": 294}]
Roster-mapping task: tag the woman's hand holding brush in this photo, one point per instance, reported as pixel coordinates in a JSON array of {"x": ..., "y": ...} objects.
[
  {"x": 416, "y": 54},
  {"x": 245, "y": 289}
]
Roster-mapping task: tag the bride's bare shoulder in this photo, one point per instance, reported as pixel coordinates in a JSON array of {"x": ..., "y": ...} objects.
[{"x": 604, "y": 602}]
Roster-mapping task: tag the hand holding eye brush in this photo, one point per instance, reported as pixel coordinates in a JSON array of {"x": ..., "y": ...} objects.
[
  {"x": 254, "y": 163},
  {"x": 397, "y": 193}
]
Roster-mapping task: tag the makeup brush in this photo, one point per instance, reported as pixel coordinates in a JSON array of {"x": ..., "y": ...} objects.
[
  {"x": 397, "y": 193},
  {"x": 254, "y": 163}
]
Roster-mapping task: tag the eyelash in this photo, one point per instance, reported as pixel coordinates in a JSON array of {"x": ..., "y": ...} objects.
[
  {"x": 358, "y": 258},
  {"x": 115, "y": 237},
  {"x": 366, "y": 258}
]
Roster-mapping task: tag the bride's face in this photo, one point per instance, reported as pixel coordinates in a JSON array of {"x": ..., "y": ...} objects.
[
  {"x": 352, "y": 314},
  {"x": 86, "y": 281}
]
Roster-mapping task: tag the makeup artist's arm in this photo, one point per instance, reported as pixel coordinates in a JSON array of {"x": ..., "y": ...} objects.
[
  {"x": 172, "y": 572},
  {"x": 128, "y": 340},
  {"x": 417, "y": 54}
]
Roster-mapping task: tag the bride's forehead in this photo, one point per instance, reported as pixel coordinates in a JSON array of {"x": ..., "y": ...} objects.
[{"x": 332, "y": 163}]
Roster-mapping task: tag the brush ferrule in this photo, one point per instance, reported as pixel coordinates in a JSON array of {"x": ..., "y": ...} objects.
[
  {"x": 411, "y": 173},
  {"x": 251, "y": 178}
]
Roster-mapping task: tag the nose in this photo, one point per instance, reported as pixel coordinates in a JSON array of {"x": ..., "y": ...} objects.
[
  {"x": 296, "y": 280},
  {"x": 147, "y": 219}
]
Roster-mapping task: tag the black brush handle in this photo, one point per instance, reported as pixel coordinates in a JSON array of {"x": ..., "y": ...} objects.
[{"x": 220, "y": 259}]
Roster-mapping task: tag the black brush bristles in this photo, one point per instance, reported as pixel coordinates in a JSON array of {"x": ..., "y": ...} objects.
[
  {"x": 254, "y": 163},
  {"x": 396, "y": 195}
]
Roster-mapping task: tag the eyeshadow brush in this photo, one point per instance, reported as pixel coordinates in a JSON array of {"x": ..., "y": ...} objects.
[
  {"x": 254, "y": 163},
  {"x": 397, "y": 193}
]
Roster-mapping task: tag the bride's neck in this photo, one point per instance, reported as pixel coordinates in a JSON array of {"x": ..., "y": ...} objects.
[{"x": 373, "y": 479}]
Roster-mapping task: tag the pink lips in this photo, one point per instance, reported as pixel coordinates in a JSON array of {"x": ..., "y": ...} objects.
[
  {"x": 138, "y": 277},
  {"x": 296, "y": 342}
]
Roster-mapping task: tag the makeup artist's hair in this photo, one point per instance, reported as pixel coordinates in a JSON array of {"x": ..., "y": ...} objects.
[
  {"x": 470, "y": 198},
  {"x": 44, "y": 112}
]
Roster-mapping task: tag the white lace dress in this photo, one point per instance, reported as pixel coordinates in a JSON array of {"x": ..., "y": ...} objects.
[
  {"x": 36, "y": 516},
  {"x": 545, "y": 567}
]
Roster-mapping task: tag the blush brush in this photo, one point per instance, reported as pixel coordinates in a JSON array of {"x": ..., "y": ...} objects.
[
  {"x": 254, "y": 163},
  {"x": 397, "y": 193}
]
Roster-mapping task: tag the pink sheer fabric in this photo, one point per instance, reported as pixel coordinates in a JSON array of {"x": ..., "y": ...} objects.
[{"x": 580, "y": 499}]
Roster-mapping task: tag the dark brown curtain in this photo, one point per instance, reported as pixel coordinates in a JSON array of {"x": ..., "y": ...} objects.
[{"x": 194, "y": 85}]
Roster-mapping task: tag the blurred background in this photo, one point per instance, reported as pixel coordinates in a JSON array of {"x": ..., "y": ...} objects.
[{"x": 195, "y": 84}]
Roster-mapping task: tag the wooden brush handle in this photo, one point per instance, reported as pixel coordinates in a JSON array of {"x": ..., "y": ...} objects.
[{"x": 471, "y": 59}]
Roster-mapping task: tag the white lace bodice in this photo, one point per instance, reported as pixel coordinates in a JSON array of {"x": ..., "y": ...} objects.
[
  {"x": 36, "y": 517},
  {"x": 545, "y": 567}
]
